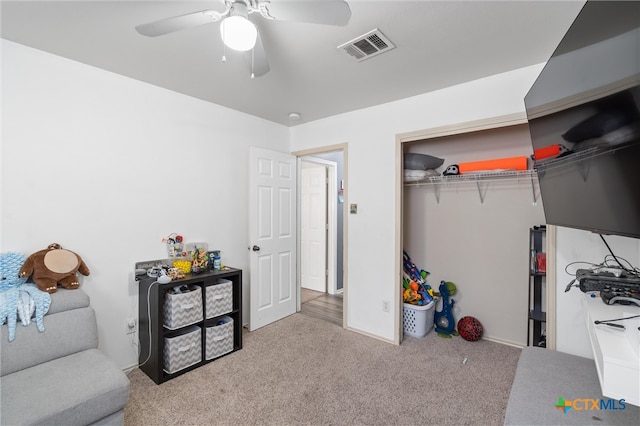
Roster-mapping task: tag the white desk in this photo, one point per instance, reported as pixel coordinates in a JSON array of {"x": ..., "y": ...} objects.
[{"x": 616, "y": 351}]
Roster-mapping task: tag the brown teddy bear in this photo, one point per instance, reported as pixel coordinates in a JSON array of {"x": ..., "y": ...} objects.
[{"x": 52, "y": 266}]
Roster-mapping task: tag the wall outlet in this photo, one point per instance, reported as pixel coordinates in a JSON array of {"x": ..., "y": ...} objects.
[
  {"x": 131, "y": 325},
  {"x": 385, "y": 306}
]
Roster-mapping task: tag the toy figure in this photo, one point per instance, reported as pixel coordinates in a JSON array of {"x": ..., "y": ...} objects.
[{"x": 445, "y": 324}]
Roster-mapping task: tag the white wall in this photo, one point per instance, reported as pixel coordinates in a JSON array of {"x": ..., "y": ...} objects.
[
  {"x": 588, "y": 249},
  {"x": 371, "y": 137},
  {"x": 107, "y": 166}
]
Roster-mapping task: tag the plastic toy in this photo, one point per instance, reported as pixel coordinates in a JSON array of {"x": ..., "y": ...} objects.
[
  {"x": 445, "y": 323},
  {"x": 470, "y": 329},
  {"x": 412, "y": 270},
  {"x": 175, "y": 245},
  {"x": 200, "y": 260},
  {"x": 415, "y": 288}
]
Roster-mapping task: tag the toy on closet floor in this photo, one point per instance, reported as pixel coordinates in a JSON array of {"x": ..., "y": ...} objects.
[
  {"x": 470, "y": 328},
  {"x": 416, "y": 291},
  {"x": 445, "y": 324}
]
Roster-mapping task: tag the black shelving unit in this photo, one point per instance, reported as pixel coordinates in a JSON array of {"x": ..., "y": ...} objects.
[
  {"x": 151, "y": 303},
  {"x": 537, "y": 276}
]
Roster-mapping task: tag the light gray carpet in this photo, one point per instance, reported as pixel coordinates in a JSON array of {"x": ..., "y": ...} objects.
[
  {"x": 543, "y": 376},
  {"x": 302, "y": 371}
]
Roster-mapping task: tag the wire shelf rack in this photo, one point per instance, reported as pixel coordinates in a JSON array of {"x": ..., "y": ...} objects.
[{"x": 481, "y": 180}]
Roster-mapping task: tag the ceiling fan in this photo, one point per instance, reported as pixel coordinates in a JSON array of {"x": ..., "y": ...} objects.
[{"x": 239, "y": 33}]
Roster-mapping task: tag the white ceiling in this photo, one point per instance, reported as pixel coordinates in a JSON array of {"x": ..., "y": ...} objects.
[{"x": 438, "y": 44}]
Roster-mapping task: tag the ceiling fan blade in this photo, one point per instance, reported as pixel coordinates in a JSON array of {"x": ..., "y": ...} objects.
[
  {"x": 177, "y": 23},
  {"x": 257, "y": 58},
  {"x": 327, "y": 12}
]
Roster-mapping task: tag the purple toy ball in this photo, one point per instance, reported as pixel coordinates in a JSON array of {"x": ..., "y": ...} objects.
[{"x": 470, "y": 329}]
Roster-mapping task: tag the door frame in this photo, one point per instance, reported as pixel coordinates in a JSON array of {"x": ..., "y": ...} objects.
[
  {"x": 424, "y": 134},
  {"x": 322, "y": 150},
  {"x": 331, "y": 242}
]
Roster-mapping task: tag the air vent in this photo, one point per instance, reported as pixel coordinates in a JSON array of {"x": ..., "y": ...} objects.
[{"x": 368, "y": 45}]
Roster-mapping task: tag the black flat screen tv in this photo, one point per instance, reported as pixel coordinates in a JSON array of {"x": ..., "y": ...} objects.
[{"x": 584, "y": 119}]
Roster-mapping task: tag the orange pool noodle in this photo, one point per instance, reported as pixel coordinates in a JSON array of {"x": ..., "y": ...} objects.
[
  {"x": 512, "y": 163},
  {"x": 546, "y": 152}
]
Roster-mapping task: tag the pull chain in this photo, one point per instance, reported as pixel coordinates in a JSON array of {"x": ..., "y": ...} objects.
[
  {"x": 253, "y": 53},
  {"x": 224, "y": 46}
]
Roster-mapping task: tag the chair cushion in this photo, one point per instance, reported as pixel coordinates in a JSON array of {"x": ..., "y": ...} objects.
[
  {"x": 78, "y": 389},
  {"x": 64, "y": 300},
  {"x": 65, "y": 333}
]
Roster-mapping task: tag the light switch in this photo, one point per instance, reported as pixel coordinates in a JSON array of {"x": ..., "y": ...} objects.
[{"x": 353, "y": 208}]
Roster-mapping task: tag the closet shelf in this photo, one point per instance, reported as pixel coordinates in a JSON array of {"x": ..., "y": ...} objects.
[
  {"x": 476, "y": 177},
  {"x": 479, "y": 179}
]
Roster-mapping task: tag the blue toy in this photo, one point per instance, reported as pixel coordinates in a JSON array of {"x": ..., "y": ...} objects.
[
  {"x": 410, "y": 268},
  {"x": 18, "y": 298},
  {"x": 421, "y": 293},
  {"x": 445, "y": 324}
]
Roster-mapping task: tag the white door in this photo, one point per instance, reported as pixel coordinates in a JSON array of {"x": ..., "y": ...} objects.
[
  {"x": 272, "y": 236},
  {"x": 313, "y": 229}
]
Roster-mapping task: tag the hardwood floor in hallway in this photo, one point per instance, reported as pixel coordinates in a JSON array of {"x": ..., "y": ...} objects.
[{"x": 323, "y": 306}]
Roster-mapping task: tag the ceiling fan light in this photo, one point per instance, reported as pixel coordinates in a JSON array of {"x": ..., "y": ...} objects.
[{"x": 238, "y": 33}]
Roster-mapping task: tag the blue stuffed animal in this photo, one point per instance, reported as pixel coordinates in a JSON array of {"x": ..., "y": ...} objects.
[{"x": 19, "y": 298}]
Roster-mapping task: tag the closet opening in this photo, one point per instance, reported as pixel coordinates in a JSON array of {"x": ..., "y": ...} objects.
[{"x": 472, "y": 229}]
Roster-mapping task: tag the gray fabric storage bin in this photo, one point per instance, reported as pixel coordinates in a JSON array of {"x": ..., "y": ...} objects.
[
  {"x": 184, "y": 309},
  {"x": 219, "y": 338},
  {"x": 219, "y": 298},
  {"x": 183, "y": 350}
]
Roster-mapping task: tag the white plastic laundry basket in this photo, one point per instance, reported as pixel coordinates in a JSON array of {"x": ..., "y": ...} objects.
[{"x": 418, "y": 320}]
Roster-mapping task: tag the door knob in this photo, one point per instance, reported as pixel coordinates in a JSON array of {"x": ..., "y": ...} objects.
[{"x": 255, "y": 248}]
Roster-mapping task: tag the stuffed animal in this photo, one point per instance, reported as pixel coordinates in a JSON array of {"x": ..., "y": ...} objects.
[
  {"x": 10, "y": 280},
  {"x": 452, "y": 170},
  {"x": 52, "y": 266},
  {"x": 17, "y": 298}
]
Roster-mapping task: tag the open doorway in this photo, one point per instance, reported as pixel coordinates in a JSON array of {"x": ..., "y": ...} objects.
[{"x": 321, "y": 235}]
